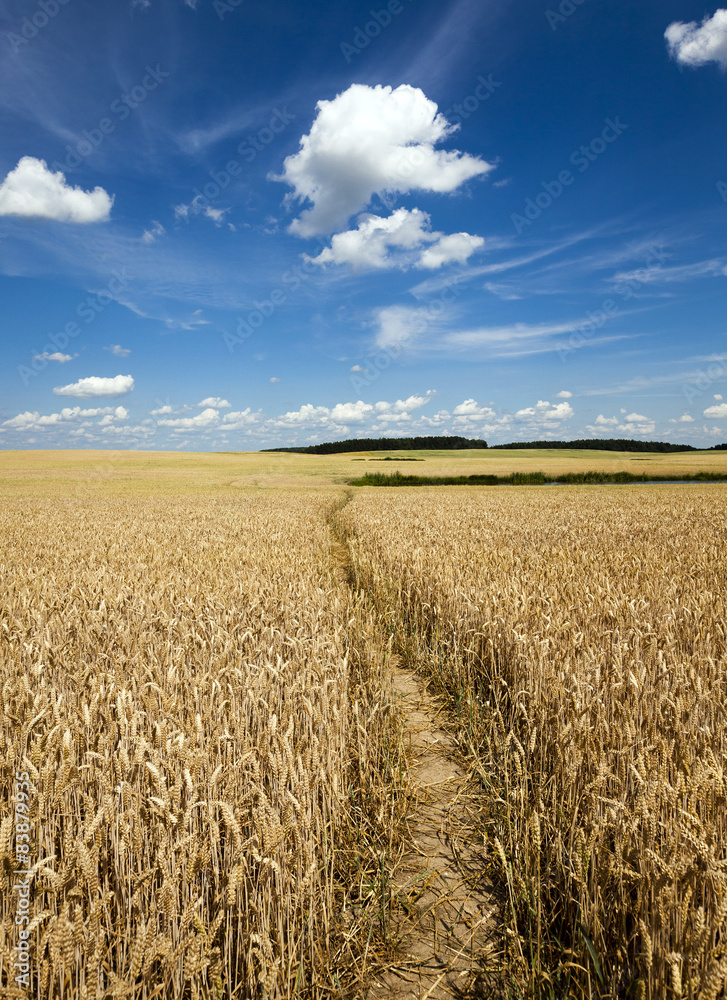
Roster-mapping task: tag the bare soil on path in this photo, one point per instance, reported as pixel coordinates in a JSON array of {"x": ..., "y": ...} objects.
[
  {"x": 444, "y": 916},
  {"x": 444, "y": 919}
]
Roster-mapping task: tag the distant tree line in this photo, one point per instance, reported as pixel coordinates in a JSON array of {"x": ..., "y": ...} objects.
[
  {"x": 387, "y": 444},
  {"x": 602, "y": 444},
  {"x": 452, "y": 443}
]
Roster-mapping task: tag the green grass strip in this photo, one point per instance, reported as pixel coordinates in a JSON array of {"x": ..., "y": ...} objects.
[{"x": 530, "y": 479}]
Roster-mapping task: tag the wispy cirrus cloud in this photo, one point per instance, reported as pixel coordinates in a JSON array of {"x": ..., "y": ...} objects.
[
  {"x": 57, "y": 356},
  {"x": 641, "y": 384},
  {"x": 510, "y": 263},
  {"x": 413, "y": 328},
  {"x": 716, "y": 267}
]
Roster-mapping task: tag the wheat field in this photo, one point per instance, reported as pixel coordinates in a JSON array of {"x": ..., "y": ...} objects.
[
  {"x": 581, "y": 638},
  {"x": 129, "y": 473},
  {"x": 204, "y": 778},
  {"x": 199, "y": 746}
]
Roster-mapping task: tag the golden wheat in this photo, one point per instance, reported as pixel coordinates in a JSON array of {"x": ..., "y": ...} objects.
[
  {"x": 581, "y": 634},
  {"x": 175, "y": 680}
]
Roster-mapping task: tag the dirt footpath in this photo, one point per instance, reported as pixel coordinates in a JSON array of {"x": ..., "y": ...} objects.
[{"x": 446, "y": 915}]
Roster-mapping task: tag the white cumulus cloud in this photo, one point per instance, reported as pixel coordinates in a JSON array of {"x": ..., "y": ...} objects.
[
  {"x": 238, "y": 419},
  {"x": 637, "y": 418},
  {"x": 716, "y": 412},
  {"x": 368, "y": 245},
  {"x": 544, "y": 418},
  {"x": 405, "y": 405},
  {"x": 694, "y": 44},
  {"x": 204, "y": 420},
  {"x": 456, "y": 248},
  {"x": 118, "y": 351},
  {"x": 86, "y": 388},
  {"x": 307, "y": 414},
  {"x": 564, "y": 394},
  {"x": 214, "y": 401},
  {"x": 32, "y": 420},
  {"x": 632, "y": 423},
  {"x": 471, "y": 410},
  {"x": 340, "y": 416},
  {"x": 545, "y": 411},
  {"x": 405, "y": 232},
  {"x": 351, "y": 413},
  {"x": 367, "y": 141},
  {"x": 31, "y": 190}
]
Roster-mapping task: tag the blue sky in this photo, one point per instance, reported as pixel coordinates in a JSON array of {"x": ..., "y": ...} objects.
[{"x": 235, "y": 225}]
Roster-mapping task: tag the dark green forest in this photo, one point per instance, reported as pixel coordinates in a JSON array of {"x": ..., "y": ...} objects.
[{"x": 454, "y": 443}]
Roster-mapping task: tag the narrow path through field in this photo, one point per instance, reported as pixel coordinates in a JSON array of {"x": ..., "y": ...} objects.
[
  {"x": 444, "y": 913},
  {"x": 446, "y": 917}
]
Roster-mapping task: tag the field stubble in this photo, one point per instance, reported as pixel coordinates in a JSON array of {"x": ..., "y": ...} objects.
[{"x": 580, "y": 636}]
